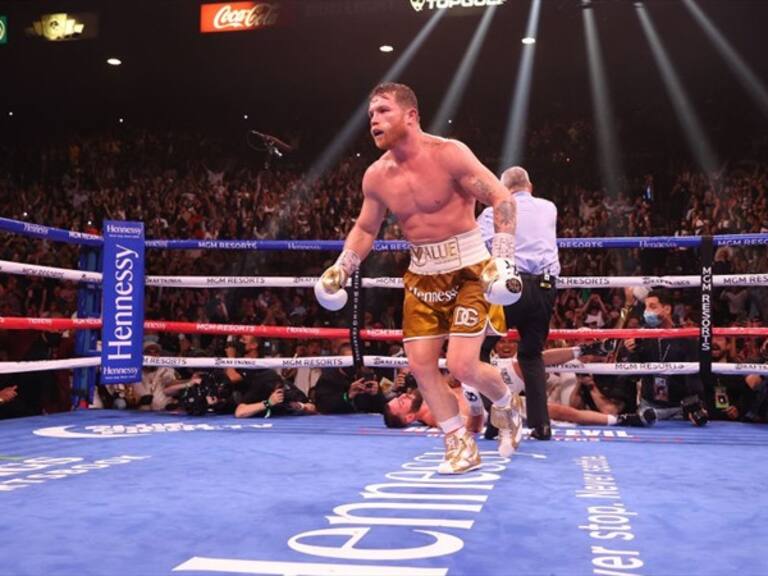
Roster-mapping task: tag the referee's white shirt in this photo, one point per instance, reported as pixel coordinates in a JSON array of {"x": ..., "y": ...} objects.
[{"x": 535, "y": 236}]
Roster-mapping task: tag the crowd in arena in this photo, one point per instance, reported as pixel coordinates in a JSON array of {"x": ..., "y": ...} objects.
[{"x": 191, "y": 187}]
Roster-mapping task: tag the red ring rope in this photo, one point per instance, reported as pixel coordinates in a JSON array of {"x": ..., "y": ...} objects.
[{"x": 295, "y": 332}]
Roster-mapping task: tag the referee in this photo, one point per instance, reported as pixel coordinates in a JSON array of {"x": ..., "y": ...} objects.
[{"x": 538, "y": 264}]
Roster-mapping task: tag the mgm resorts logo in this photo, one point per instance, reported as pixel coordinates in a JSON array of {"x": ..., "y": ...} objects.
[{"x": 419, "y": 5}]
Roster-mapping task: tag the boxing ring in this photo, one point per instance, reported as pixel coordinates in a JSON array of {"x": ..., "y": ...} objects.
[{"x": 116, "y": 492}]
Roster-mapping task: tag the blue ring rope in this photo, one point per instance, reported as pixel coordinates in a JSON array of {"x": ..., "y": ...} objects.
[{"x": 650, "y": 242}]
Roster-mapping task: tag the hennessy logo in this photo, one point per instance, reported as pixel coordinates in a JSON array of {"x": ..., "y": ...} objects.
[{"x": 435, "y": 297}]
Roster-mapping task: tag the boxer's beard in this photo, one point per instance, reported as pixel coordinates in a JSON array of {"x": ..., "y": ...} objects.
[{"x": 392, "y": 136}]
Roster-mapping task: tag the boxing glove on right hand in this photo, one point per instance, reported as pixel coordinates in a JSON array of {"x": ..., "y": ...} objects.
[{"x": 501, "y": 282}]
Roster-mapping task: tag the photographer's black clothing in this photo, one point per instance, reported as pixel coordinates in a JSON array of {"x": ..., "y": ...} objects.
[
  {"x": 332, "y": 394},
  {"x": 728, "y": 390},
  {"x": 34, "y": 388},
  {"x": 667, "y": 391},
  {"x": 756, "y": 403},
  {"x": 619, "y": 389},
  {"x": 258, "y": 385},
  {"x": 15, "y": 408}
]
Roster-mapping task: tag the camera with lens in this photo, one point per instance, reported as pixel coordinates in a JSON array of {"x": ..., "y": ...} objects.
[
  {"x": 369, "y": 377},
  {"x": 693, "y": 410},
  {"x": 410, "y": 382},
  {"x": 212, "y": 394},
  {"x": 598, "y": 348},
  {"x": 367, "y": 374}
]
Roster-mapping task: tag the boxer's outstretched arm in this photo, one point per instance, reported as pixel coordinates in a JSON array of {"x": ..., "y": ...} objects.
[
  {"x": 475, "y": 179},
  {"x": 360, "y": 238},
  {"x": 555, "y": 356}
]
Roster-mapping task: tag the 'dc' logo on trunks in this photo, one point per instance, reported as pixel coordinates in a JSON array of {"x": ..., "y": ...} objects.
[{"x": 465, "y": 316}]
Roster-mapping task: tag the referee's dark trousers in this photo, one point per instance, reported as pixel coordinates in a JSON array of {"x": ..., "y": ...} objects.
[{"x": 531, "y": 315}]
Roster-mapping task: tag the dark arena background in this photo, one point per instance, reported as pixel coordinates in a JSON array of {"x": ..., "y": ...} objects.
[{"x": 176, "y": 175}]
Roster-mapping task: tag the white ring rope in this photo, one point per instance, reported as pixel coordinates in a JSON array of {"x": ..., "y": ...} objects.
[
  {"x": 633, "y": 369},
  {"x": 49, "y": 272},
  {"x": 41, "y": 365},
  {"x": 385, "y": 282}
]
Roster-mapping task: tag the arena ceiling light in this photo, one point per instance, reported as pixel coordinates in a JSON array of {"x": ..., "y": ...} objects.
[
  {"x": 528, "y": 40},
  {"x": 607, "y": 142},
  {"x": 686, "y": 115},
  {"x": 512, "y": 151},
  {"x": 386, "y": 48},
  {"x": 458, "y": 86},
  {"x": 744, "y": 73},
  {"x": 359, "y": 117},
  {"x": 114, "y": 61}
]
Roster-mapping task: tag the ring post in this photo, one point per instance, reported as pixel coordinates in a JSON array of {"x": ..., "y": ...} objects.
[
  {"x": 705, "y": 330},
  {"x": 356, "y": 320},
  {"x": 88, "y": 306}
]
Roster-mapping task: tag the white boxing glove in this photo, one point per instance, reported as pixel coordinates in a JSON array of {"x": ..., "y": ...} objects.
[
  {"x": 501, "y": 282},
  {"x": 330, "y": 288}
]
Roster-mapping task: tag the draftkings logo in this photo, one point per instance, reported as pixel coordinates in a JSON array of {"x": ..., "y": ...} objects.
[
  {"x": 3, "y": 30},
  {"x": 419, "y": 5}
]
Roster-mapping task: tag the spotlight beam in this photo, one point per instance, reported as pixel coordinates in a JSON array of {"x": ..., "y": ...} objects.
[
  {"x": 512, "y": 151},
  {"x": 744, "y": 73},
  {"x": 458, "y": 86},
  {"x": 608, "y": 145},
  {"x": 689, "y": 121},
  {"x": 357, "y": 120}
]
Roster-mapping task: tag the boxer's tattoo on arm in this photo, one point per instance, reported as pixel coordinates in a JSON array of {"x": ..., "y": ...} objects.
[
  {"x": 482, "y": 191},
  {"x": 505, "y": 216}
]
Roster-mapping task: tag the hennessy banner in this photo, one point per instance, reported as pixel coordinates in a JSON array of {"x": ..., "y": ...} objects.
[{"x": 122, "y": 331}]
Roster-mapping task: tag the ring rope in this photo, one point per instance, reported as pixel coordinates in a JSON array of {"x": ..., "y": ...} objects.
[
  {"x": 383, "y": 282},
  {"x": 629, "y": 369},
  {"x": 376, "y": 334},
  {"x": 73, "y": 237},
  {"x": 42, "y": 365}
]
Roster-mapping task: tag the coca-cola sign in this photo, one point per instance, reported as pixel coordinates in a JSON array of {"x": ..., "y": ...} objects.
[{"x": 238, "y": 16}]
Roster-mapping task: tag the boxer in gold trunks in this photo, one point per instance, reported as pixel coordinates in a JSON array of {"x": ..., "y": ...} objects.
[{"x": 431, "y": 185}]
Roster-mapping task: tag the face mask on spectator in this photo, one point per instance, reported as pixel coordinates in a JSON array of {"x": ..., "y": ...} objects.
[{"x": 651, "y": 319}]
